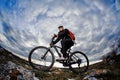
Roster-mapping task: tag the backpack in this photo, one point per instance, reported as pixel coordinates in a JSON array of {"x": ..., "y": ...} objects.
[{"x": 72, "y": 36}]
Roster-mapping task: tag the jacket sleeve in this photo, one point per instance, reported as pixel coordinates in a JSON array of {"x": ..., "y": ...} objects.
[
  {"x": 58, "y": 39},
  {"x": 61, "y": 35}
]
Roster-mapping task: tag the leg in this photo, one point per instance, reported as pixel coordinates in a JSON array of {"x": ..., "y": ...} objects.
[
  {"x": 66, "y": 44},
  {"x": 64, "y": 49}
]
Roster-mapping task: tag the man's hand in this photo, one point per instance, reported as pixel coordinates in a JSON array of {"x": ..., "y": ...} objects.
[{"x": 54, "y": 35}]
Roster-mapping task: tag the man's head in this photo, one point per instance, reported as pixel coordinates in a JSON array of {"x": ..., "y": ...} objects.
[{"x": 61, "y": 28}]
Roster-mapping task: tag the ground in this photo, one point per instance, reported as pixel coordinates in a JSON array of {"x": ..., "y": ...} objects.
[{"x": 113, "y": 70}]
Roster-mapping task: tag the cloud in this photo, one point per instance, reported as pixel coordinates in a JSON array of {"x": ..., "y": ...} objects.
[
  {"x": 31, "y": 23},
  {"x": 117, "y": 3}
]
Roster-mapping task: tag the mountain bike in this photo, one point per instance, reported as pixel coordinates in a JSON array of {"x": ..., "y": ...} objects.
[{"x": 43, "y": 58}]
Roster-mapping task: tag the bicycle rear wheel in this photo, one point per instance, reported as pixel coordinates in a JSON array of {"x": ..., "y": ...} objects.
[
  {"x": 41, "y": 58},
  {"x": 79, "y": 62}
]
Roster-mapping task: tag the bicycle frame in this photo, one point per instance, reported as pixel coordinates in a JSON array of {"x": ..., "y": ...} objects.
[{"x": 56, "y": 49}]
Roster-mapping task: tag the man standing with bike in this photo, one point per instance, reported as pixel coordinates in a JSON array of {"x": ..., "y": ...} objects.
[{"x": 67, "y": 41}]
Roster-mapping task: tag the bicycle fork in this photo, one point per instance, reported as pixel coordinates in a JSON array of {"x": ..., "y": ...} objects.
[{"x": 44, "y": 56}]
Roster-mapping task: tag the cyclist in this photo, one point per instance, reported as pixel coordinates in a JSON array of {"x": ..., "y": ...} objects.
[{"x": 66, "y": 41}]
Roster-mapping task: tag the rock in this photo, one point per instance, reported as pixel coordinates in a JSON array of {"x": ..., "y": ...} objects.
[
  {"x": 2, "y": 58},
  {"x": 28, "y": 75},
  {"x": 89, "y": 78},
  {"x": 1, "y": 78},
  {"x": 10, "y": 55},
  {"x": 11, "y": 71},
  {"x": 93, "y": 72},
  {"x": 14, "y": 74},
  {"x": 102, "y": 71},
  {"x": 35, "y": 78},
  {"x": 11, "y": 65},
  {"x": 96, "y": 72},
  {"x": 21, "y": 69},
  {"x": 20, "y": 77}
]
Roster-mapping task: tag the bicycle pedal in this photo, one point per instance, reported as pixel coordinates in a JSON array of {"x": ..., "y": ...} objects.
[
  {"x": 60, "y": 61},
  {"x": 65, "y": 65}
]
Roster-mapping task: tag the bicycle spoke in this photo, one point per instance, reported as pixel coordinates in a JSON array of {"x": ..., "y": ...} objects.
[
  {"x": 79, "y": 62},
  {"x": 41, "y": 58}
]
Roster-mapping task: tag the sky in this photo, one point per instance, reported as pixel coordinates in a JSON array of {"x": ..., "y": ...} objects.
[{"x": 25, "y": 24}]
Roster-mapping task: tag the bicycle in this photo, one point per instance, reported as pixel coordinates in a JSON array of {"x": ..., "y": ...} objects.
[{"x": 42, "y": 58}]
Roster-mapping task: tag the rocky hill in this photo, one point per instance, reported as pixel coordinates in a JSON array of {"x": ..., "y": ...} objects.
[{"x": 14, "y": 68}]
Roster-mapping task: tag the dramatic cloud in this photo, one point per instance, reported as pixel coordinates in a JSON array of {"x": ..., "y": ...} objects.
[{"x": 25, "y": 24}]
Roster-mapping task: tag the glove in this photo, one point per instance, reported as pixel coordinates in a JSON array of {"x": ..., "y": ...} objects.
[{"x": 54, "y": 36}]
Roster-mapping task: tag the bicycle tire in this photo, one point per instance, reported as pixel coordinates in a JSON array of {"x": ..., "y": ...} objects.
[
  {"x": 78, "y": 70},
  {"x": 38, "y": 66}
]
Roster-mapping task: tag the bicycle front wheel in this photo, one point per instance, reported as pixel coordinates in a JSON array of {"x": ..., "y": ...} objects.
[
  {"x": 41, "y": 58},
  {"x": 79, "y": 62}
]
